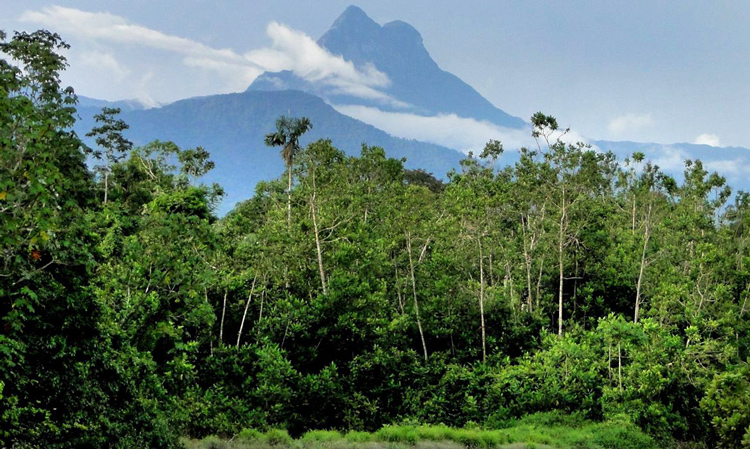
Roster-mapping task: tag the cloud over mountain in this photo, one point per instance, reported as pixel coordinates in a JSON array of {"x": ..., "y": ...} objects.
[
  {"x": 630, "y": 122},
  {"x": 104, "y": 35}
]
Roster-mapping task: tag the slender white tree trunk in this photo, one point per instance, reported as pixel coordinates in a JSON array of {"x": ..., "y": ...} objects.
[
  {"x": 646, "y": 237},
  {"x": 481, "y": 299},
  {"x": 313, "y": 208},
  {"x": 247, "y": 306},
  {"x": 289, "y": 198},
  {"x": 317, "y": 245},
  {"x": 106, "y": 185},
  {"x": 223, "y": 314},
  {"x": 560, "y": 244},
  {"x": 527, "y": 260},
  {"x": 414, "y": 292}
]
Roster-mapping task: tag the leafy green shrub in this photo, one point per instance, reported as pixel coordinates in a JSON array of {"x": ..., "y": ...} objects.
[
  {"x": 355, "y": 436},
  {"x": 322, "y": 436},
  {"x": 728, "y": 402},
  {"x": 435, "y": 433},
  {"x": 398, "y": 434},
  {"x": 250, "y": 435},
  {"x": 277, "y": 437},
  {"x": 212, "y": 442},
  {"x": 620, "y": 435}
]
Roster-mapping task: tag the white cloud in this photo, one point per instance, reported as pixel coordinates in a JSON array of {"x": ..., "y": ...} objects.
[
  {"x": 450, "y": 130},
  {"x": 669, "y": 158},
  {"x": 109, "y": 27},
  {"x": 290, "y": 50},
  {"x": 630, "y": 122},
  {"x": 708, "y": 139},
  {"x": 105, "y": 62},
  {"x": 295, "y": 51},
  {"x": 729, "y": 168},
  {"x": 142, "y": 92},
  {"x": 105, "y": 28}
]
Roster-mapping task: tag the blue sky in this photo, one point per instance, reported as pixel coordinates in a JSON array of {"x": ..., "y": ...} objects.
[{"x": 640, "y": 70}]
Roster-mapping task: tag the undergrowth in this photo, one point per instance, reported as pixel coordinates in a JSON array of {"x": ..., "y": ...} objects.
[{"x": 538, "y": 431}]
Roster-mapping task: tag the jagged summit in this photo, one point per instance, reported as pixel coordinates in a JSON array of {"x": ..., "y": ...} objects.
[
  {"x": 359, "y": 39},
  {"x": 396, "y": 49},
  {"x": 354, "y": 17}
]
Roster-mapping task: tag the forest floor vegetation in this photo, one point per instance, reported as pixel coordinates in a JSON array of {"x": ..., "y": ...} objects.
[{"x": 535, "y": 431}]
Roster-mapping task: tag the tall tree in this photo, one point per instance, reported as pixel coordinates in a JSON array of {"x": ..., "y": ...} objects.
[
  {"x": 287, "y": 134},
  {"x": 109, "y": 137}
]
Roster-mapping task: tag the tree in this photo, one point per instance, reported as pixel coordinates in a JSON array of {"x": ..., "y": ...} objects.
[
  {"x": 288, "y": 132},
  {"x": 65, "y": 383},
  {"x": 109, "y": 137}
]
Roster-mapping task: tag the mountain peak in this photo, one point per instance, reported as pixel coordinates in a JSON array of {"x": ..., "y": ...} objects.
[
  {"x": 397, "y": 50},
  {"x": 361, "y": 40},
  {"x": 354, "y": 18}
]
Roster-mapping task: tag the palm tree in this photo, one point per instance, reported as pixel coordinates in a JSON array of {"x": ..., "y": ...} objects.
[{"x": 288, "y": 132}]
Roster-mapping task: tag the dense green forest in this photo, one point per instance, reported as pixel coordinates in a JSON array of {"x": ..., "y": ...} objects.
[{"x": 365, "y": 295}]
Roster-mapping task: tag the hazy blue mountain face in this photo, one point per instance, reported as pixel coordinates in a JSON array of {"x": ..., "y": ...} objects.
[
  {"x": 232, "y": 127},
  {"x": 124, "y": 105},
  {"x": 416, "y": 82}
]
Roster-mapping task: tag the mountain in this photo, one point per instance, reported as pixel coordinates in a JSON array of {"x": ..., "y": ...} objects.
[
  {"x": 124, "y": 105},
  {"x": 417, "y": 84},
  {"x": 232, "y": 128}
]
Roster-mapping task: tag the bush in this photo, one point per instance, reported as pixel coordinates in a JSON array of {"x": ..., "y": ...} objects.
[
  {"x": 276, "y": 437},
  {"x": 250, "y": 435},
  {"x": 728, "y": 402},
  {"x": 355, "y": 436},
  {"x": 322, "y": 436},
  {"x": 620, "y": 435}
]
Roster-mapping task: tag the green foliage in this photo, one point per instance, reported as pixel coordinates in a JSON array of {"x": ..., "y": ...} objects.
[
  {"x": 354, "y": 295},
  {"x": 606, "y": 435},
  {"x": 727, "y": 401}
]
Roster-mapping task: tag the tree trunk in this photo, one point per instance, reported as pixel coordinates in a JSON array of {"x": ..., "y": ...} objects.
[
  {"x": 314, "y": 217},
  {"x": 414, "y": 292},
  {"x": 247, "y": 306},
  {"x": 223, "y": 313},
  {"x": 646, "y": 237},
  {"x": 527, "y": 260},
  {"x": 539, "y": 284},
  {"x": 561, "y": 237},
  {"x": 398, "y": 291},
  {"x": 289, "y": 198},
  {"x": 481, "y": 299},
  {"x": 260, "y": 314},
  {"x": 317, "y": 245},
  {"x": 106, "y": 186}
]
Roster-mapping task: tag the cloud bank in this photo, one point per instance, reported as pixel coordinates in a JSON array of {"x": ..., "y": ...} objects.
[
  {"x": 449, "y": 130},
  {"x": 629, "y": 123},
  {"x": 295, "y": 51},
  {"x": 105, "y": 34},
  {"x": 708, "y": 139}
]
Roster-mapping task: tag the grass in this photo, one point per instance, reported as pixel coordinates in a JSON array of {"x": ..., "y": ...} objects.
[{"x": 541, "y": 431}]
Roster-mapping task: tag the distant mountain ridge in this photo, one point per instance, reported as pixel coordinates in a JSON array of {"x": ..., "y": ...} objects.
[
  {"x": 232, "y": 127},
  {"x": 397, "y": 50},
  {"x": 123, "y": 105},
  {"x": 731, "y": 162}
]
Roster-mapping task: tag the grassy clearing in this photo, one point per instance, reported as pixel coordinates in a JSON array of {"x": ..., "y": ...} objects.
[{"x": 537, "y": 431}]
